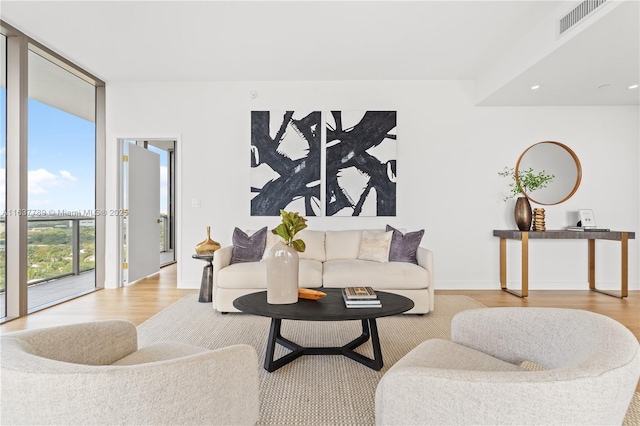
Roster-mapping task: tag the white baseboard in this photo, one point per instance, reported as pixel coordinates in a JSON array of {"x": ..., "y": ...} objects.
[
  {"x": 490, "y": 285},
  {"x": 465, "y": 285},
  {"x": 189, "y": 284}
]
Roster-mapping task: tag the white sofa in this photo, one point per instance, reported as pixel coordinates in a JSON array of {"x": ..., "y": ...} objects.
[{"x": 331, "y": 261}]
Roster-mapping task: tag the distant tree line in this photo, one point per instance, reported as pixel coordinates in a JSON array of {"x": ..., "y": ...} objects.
[{"x": 49, "y": 253}]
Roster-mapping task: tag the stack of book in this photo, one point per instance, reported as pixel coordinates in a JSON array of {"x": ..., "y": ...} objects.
[{"x": 360, "y": 297}]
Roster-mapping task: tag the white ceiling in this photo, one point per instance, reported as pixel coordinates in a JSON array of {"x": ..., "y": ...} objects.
[{"x": 504, "y": 46}]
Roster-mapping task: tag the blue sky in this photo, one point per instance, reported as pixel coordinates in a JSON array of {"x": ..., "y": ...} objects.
[{"x": 61, "y": 160}]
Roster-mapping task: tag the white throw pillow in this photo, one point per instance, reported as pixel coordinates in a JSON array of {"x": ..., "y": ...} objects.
[
  {"x": 342, "y": 244},
  {"x": 375, "y": 246}
]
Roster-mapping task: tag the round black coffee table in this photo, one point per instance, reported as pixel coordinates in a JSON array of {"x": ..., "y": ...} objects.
[{"x": 329, "y": 308}]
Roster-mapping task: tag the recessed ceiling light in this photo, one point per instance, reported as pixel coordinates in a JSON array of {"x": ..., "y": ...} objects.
[
  {"x": 536, "y": 87},
  {"x": 635, "y": 86}
]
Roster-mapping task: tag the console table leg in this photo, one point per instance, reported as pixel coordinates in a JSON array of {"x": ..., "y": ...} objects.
[
  {"x": 503, "y": 263},
  {"x": 624, "y": 263},
  {"x": 624, "y": 267},
  {"x": 525, "y": 264},
  {"x": 592, "y": 264}
]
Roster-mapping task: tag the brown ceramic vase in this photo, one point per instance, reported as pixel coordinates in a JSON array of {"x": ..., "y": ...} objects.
[{"x": 522, "y": 213}]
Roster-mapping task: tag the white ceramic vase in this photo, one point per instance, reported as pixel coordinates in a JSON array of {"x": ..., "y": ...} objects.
[{"x": 282, "y": 274}]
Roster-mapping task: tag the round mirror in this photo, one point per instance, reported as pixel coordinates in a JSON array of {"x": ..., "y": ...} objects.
[{"x": 554, "y": 159}]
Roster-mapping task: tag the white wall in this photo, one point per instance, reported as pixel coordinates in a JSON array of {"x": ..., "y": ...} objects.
[{"x": 449, "y": 156}]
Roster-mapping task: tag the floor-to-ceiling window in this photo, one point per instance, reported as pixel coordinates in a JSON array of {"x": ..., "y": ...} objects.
[
  {"x": 3, "y": 174},
  {"x": 61, "y": 181},
  {"x": 51, "y": 177}
]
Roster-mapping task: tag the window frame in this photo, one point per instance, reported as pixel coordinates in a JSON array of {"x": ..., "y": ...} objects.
[{"x": 18, "y": 46}]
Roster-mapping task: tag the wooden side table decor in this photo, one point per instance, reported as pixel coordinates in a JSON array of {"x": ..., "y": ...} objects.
[{"x": 538, "y": 220}]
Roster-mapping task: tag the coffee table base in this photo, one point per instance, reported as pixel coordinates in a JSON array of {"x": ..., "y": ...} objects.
[{"x": 369, "y": 330}]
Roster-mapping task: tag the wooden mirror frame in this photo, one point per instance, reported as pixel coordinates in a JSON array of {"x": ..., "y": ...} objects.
[{"x": 578, "y": 170}]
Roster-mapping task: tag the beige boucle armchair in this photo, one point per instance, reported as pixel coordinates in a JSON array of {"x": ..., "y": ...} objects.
[
  {"x": 592, "y": 365},
  {"x": 94, "y": 373}
]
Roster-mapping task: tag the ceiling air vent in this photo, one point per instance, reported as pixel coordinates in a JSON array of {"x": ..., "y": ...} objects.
[{"x": 577, "y": 14}]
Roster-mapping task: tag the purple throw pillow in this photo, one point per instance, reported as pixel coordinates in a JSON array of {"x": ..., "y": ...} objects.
[
  {"x": 404, "y": 247},
  {"x": 248, "y": 248}
]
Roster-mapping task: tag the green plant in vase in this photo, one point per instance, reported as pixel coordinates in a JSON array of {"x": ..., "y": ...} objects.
[
  {"x": 526, "y": 181},
  {"x": 292, "y": 223}
]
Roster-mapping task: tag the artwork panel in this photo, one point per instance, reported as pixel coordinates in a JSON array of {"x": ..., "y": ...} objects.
[
  {"x": 285, "y": 161},
  {"x": 300, "y": 205},
  {"x": 385, "y": 151},
  {"x": 366, "y": 142},
  {"x": 262, "y": 174}
]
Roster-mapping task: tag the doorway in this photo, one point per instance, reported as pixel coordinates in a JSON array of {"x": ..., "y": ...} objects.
[{"x": 148, "y": 200}]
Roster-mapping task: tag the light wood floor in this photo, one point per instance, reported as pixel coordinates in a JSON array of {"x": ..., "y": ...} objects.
[
  {"x": 136, "y": 303},
  {"x": 145, "y": 298}
]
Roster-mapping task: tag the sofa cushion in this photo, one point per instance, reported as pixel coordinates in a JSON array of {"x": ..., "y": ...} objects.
[
  {"x": 374, "y": 246},
  {"x": 248, "y": 248},
  {"x": 314, "y": 241},
  {"x": 381, "y": 276},
  {"x": 342, "y": 244},
  {"x": 254, "y": 275},
  {"x": 404, "y": 246},
  {"x": 310, "y": 274}
]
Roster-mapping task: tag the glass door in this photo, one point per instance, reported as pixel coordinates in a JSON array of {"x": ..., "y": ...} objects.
[{"x": 61, "y": 184}]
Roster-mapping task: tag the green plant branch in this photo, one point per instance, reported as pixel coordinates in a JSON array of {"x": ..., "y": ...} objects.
[{"x": 526, "y": 181}]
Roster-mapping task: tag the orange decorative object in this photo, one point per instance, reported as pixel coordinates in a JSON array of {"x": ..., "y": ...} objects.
[{"x": 305, "y": 293}]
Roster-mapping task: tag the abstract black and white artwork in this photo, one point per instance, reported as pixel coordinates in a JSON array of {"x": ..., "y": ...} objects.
[
  {"x": 285, "y": 162},
  {"x": 361, "y": 163}
]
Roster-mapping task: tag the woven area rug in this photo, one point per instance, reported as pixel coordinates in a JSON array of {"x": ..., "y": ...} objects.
[{"x": 312, "y": 390}]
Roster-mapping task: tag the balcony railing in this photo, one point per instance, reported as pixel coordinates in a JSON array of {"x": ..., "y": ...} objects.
[
  {"x": 60, "y": 249},
  {"x": 61, "y": 257}
]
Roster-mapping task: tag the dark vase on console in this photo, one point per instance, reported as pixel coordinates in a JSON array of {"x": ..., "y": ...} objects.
[{"x": 522, "y": 213}]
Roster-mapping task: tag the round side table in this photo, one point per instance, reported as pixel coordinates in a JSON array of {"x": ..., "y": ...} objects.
[{"x": 206, "y": 285}]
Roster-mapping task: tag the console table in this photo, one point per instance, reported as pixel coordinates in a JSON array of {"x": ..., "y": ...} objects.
[{"x": 525, "y": 236}]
